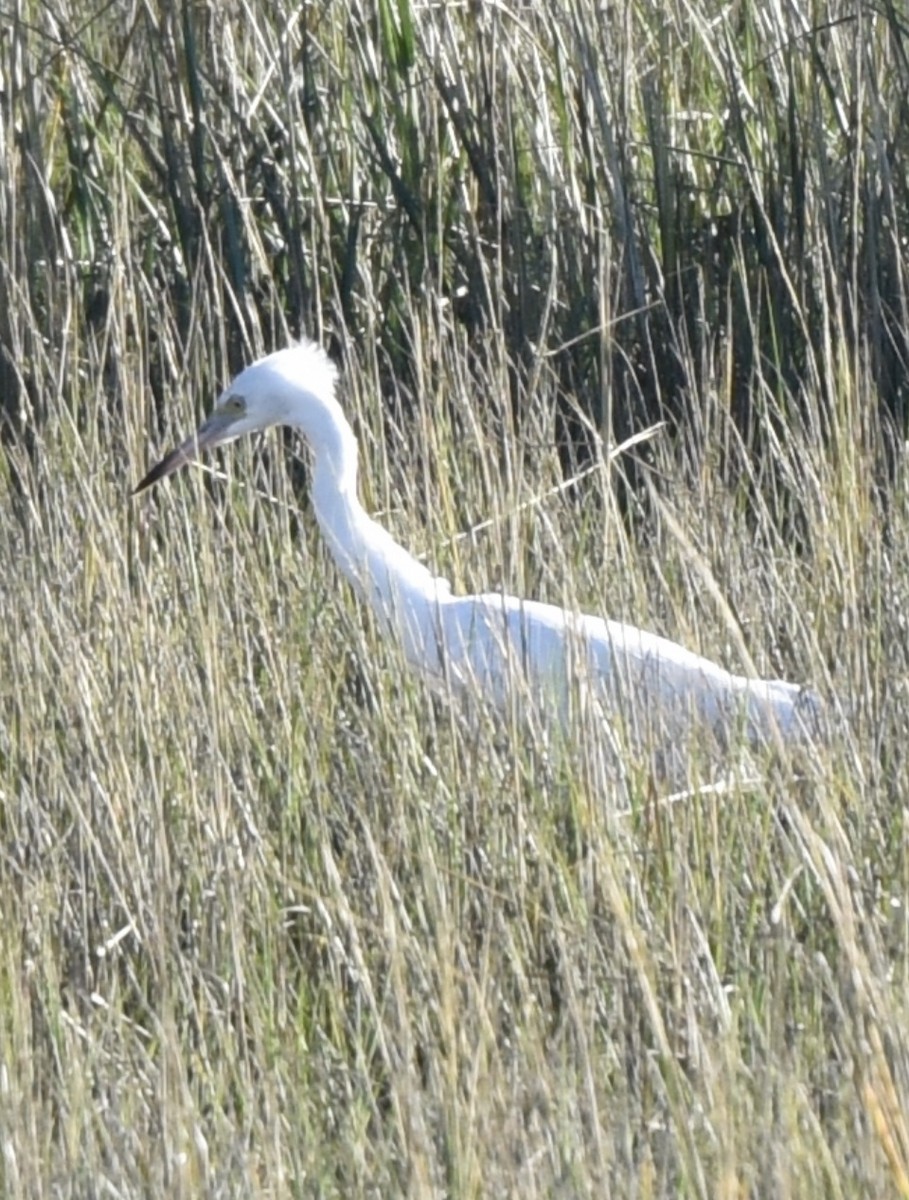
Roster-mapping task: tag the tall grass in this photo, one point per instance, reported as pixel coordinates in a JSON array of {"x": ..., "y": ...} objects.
[{"x": 276, "y": 923}]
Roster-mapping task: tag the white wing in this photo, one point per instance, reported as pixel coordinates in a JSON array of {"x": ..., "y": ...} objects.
[{"x": 502, "y": 648}]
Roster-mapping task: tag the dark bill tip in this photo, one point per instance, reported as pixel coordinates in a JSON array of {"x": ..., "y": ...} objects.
[{"x": 161, "y": 470}]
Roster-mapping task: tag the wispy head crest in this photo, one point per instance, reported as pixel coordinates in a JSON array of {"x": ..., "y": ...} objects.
[{"x": 311, "y": 356}]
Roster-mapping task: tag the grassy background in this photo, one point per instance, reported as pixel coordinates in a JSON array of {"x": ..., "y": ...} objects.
[{"x": 275, "y": 924}]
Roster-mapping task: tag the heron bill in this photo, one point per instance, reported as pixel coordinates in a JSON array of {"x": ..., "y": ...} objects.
[{"x": 212, "y": 432}]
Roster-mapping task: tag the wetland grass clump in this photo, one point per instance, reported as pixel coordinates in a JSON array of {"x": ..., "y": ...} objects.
[{"x": 275, "y": 921}]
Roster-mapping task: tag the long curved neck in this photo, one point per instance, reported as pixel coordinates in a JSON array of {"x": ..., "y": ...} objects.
[{"x": 382, "y": 572}]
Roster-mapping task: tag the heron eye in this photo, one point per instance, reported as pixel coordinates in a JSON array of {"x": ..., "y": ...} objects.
[{"x": 235, "y": 404}]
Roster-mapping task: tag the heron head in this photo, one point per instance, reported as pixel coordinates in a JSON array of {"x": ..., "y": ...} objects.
[
  {"x": 246, "y": 406},
  {"x": 280, "y": 388}
]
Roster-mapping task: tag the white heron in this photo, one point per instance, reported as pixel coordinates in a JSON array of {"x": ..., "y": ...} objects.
[{"x": 491, "y": 646}]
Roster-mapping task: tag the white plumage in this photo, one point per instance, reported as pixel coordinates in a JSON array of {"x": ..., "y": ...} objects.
[{"x": 499, "y": 647}]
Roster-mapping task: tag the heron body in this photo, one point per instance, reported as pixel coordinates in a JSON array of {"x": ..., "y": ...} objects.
[{"x": 495, "y": 647}]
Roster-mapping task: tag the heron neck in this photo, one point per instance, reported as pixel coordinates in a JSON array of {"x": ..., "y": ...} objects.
[{"x": 380, "y": 570}]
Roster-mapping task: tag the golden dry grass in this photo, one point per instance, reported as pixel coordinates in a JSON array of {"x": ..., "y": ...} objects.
[{"x": 275, "y": 923}]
